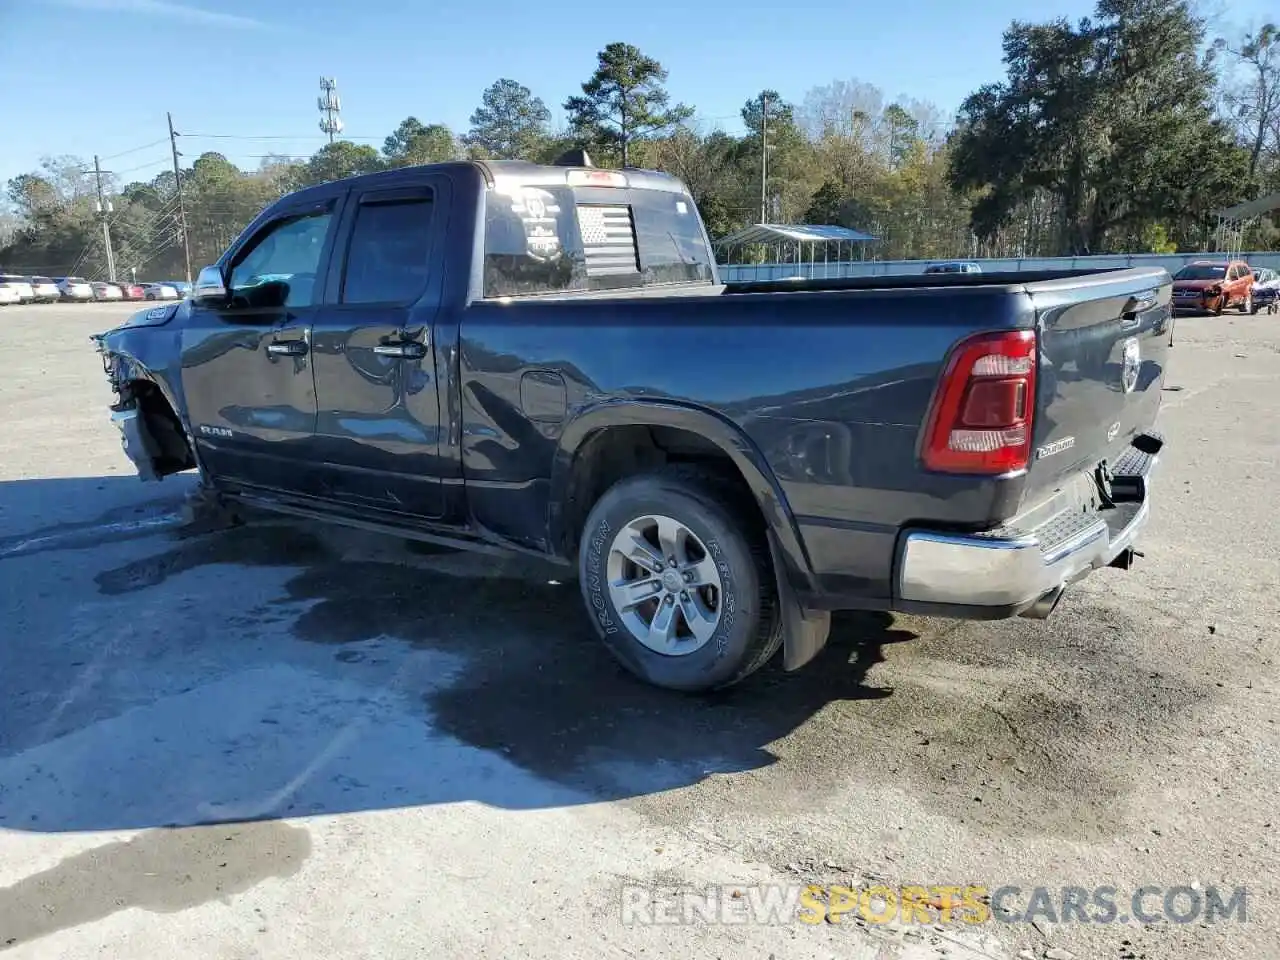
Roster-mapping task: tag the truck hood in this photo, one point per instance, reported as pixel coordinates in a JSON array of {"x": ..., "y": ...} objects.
[{"x": 151, "y": 317}]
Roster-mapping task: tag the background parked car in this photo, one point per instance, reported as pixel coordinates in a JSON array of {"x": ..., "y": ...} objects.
[
  {"x": 45, "y": 290},
  {"x": 1266, "y": 290},
  {"x": 1213, "y": 285},
  {"x": 77, "y": 289},
  {"x": 183, "y": 288},
  {"x": 106, "y": 291},
  {"x": 8, "y": 295},
  {"x": 131, "y": 291},
  {"x": 953, "y": 266},
  {"x": 159, "y": 291},
  {"x": 21, "y": 284}
]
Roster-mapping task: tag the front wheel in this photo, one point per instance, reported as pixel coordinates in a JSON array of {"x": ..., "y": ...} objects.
[
  {"x": 677, "y": 580},
  {"x": 1246, "y": 305}
]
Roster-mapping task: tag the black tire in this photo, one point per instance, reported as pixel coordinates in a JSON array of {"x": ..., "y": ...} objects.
[{"x": 750, "y": 630}]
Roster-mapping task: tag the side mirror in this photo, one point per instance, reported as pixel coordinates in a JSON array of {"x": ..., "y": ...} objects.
[{"x": 210, "y": 290}]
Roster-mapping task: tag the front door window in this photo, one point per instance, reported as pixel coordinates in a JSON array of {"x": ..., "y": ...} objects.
[{"x": 280, "y": 268}]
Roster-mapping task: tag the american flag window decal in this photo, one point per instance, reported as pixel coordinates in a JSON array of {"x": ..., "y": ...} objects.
[{"x": 608, "y": 239}]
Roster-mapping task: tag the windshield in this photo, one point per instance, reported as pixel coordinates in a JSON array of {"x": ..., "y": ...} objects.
[{"x": 1201, "y": 271}]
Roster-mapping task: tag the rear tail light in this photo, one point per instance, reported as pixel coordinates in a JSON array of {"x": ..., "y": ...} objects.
[{"x": 981, "y": 417}]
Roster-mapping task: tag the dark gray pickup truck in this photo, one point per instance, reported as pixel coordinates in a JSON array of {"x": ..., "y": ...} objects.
[{"x": 542, "y": 359}]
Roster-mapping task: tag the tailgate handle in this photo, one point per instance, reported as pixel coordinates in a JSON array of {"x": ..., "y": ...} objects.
[{"x": 1137, "y": 303}]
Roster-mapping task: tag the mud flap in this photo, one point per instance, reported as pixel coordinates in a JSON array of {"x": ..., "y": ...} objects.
[{"x": 804, "y": 632}]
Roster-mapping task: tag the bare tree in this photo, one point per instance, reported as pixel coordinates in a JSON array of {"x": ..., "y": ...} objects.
[{"x": 1252, "y": 96}]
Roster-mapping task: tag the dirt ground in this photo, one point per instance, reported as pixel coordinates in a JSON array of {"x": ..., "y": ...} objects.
[{"x": 290, "y": 741}]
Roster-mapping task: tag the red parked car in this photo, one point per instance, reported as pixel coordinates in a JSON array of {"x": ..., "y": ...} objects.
[
  {"x": 1213, "y": 286},
  {"x": 131, "y": 291}
]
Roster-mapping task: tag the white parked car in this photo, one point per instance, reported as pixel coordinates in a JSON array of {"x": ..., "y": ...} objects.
[
  {"x": 158, "y": 291},
  {"x": 21, "y": 284},
  {"x": 75, "y": 288},
  {"x": 106, "y": 291},
  {"x": 8, "y": 295},
  {"x": 45, "y": 290}
]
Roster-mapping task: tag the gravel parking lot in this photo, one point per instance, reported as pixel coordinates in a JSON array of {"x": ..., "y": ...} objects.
[{"x": 285, "y": 741}]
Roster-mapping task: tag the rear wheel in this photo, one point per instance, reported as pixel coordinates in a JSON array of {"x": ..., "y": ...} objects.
[{"x": 677, "y": 580}]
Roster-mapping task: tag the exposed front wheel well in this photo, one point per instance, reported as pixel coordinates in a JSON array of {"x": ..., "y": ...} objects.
[
  {"x": 172, "y": 449},
  {"x": 614, "y": 453}
]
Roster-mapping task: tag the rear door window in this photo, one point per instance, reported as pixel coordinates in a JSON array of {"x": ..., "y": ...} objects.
[{"x": 388, "y": 257}]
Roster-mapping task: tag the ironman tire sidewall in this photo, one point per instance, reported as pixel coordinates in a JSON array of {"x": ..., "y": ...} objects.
[{"x": 721, "y": 658}]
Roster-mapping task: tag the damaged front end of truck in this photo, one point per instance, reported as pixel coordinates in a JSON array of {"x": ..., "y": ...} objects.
[{"x": 137, "y": 358}]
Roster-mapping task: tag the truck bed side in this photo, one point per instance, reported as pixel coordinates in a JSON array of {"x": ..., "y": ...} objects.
[{"x": 830, "y": 387}]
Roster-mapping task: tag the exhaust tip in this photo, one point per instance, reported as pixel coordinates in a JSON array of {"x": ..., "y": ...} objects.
[{"x": 1041, "y": 609}]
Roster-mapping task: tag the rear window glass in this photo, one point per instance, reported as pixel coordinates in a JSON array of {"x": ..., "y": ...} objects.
[{"x": 553, "y": 239}]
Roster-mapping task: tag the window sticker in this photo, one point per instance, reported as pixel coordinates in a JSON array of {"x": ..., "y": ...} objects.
[{"x": 538, "y": 210}]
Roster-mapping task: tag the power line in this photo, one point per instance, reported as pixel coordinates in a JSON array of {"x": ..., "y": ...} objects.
[
  {"x": 141, "y": 166},
  {"x": 125, "y": 153},
  {"x": 274, "y": 136}
]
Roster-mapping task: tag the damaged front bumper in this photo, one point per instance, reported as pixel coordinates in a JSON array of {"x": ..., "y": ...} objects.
[
  {"x": 139, "y": 410},
  {"x": 138, "y": 445}
]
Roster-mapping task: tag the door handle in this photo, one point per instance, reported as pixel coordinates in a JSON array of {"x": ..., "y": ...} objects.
[
  {"x": 287, "y": 348},
  {"x": 402, "y": 350}
]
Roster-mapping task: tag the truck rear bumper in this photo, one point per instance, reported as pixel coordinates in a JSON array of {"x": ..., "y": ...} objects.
[{"x": 1023, "y": 567}]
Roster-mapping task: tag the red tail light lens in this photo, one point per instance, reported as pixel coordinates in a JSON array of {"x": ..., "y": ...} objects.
[{"x": 981, "y": 417}]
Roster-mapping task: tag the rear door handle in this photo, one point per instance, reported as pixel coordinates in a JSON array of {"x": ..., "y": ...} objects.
[
  {"x": 401, "y": 350},
  {"x": 287, "y": 348}
]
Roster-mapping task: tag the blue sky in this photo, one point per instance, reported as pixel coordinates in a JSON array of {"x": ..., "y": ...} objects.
[{"x": 242, "y": 77}]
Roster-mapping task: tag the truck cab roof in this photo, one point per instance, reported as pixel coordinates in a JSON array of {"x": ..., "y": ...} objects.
[{"x": 494, "y": 171}]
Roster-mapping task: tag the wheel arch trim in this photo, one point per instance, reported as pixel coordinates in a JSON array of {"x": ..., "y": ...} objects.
[{"x": 785, "y": 541}]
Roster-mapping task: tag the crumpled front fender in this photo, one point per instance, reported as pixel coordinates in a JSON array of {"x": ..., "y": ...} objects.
[{"x": 142, "y": 361}]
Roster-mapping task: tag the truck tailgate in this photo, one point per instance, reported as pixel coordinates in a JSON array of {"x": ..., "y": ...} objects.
[{"x": 1103, "y": 343}]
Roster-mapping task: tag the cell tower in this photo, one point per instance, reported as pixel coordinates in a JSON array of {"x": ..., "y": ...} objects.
[{"x": 330, "y": 106}]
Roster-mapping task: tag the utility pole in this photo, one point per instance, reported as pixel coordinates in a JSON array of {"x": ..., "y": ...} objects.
[
  {"x": 764, "y": 158},
  {"x": 182, "y": 209},
  {"x": 104, "y": 210},
  {"x": 330, "y": 105}
]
